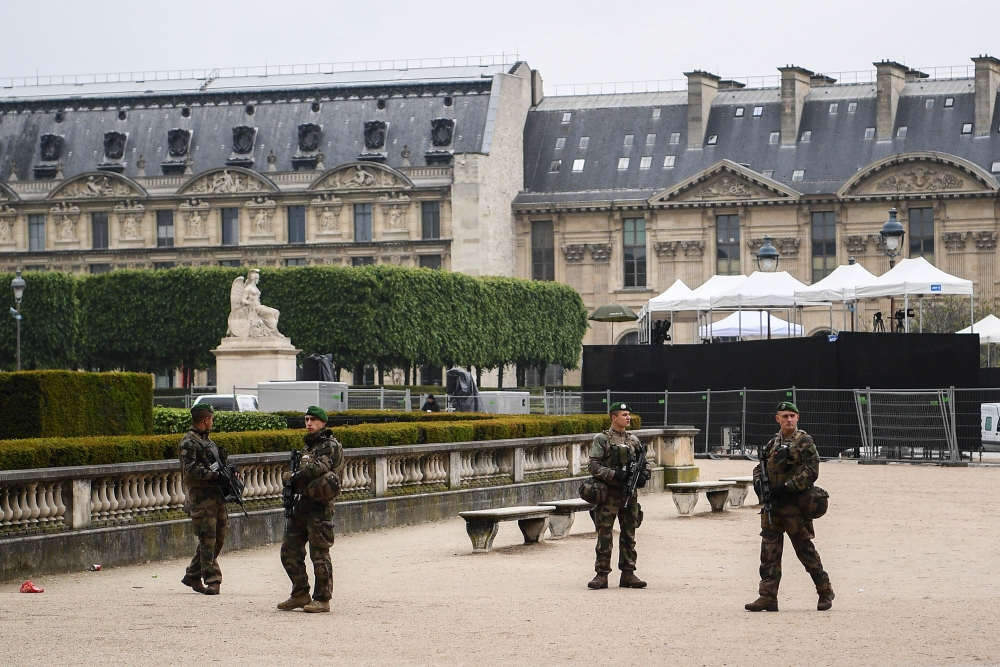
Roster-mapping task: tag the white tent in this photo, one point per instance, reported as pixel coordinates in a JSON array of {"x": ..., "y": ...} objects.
[
  {"x": 762, "y": 290},
  {"x": 988, "y": 329},
  {"x": 915, "y": 277},
  {"x": 701, "y": 297},
  {"x": 665, "y": 302},
  {"x": 752, "y": 323},
  {"x": 839, "y": 286}
]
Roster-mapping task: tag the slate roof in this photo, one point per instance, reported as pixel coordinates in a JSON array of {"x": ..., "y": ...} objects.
[{"x": 835, "y": 151}]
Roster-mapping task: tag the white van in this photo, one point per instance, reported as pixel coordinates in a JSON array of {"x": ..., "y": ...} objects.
[
  {"x": 989, "y": 424},
  {"x": 242, "y": 402}
]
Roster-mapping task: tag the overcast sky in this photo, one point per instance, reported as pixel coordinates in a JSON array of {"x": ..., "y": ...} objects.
[{"x": 579, "y": 41}]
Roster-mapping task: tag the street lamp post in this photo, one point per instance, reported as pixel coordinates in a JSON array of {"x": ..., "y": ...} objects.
[
  {"x": 767, "y": 262},
  {"x": 18, "y": 285},
  {"x": 892, "y": 245}
]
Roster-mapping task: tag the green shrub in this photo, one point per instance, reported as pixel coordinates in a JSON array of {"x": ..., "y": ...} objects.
[
  {"x": 178, "y": 420},
  {"x": 37, "y": 404},
  {"x": 380, "y": 435},
  {"x": 456, "y": 431}
]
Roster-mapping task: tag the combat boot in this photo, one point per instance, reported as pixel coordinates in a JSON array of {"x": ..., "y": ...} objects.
[
  {"x": 317, "y": 606},
  {"x": 825, "y": 597},
  {"x": 599, "y": 581},
  {"x": 212, "y": 589},
  {"x": 295, "y": 602},
  {"x": 762, "y": 604},
  {"x": 629, "y": 580},
  {"x": 194, "y": 583}
]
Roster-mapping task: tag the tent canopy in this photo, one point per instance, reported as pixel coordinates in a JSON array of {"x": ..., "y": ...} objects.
[
  {"x": 664, "y": 302},
  {"x": 701, "y": 297},
  {"x": 841, "y": 285},
  {"x": 988, "y": 329},
  {"x": 915, "y": 277},
  {"x": 762, "y": 290},
  {"x": 750, "y": 323}
]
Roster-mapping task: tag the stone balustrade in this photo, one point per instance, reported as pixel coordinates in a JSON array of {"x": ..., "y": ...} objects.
[{"x": 53, "y": 499}]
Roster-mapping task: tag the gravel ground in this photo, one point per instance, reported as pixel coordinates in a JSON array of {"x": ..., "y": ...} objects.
[{"x": 912, "y": 552}]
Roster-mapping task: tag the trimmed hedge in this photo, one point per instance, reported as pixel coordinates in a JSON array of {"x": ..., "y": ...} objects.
[
  {"x": 52, "y": 452},
  {"x": 296, "y": 419},
  {"x": 178, "y": 420},
  {"x": 50, "y": 328},
  {"x": 38, "y": 404}
]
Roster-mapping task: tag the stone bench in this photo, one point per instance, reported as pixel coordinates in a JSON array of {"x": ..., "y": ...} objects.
[
  {"x": 561, "y": 519},
  {"x": 738, "y": 494},
  {"x": 482, "y": 525},
  {"x": 685, "y": 495}
]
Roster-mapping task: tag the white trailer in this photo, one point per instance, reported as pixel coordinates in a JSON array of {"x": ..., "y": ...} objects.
[
  {"x": 505, "y": 402},
  {"x": 298, "y": 395}
]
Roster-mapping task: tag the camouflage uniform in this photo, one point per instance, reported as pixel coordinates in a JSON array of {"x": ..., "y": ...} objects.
[
  {"x": 793, "y": 462},
  {"x": 312, "y": 521},
  {"x": 205, "y": 502},
  {"x": 603, "y": 469}
]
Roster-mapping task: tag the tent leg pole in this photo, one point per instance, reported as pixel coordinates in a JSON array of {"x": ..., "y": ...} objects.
[
  {"x": 920, "y": 326},
  {"x": 972, "y": 314},
  {"x": 906, "y": 313},
  {"x": 673, "y": 332}
]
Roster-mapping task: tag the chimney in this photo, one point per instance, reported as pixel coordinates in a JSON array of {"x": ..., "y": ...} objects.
[
  {"x": 702, "y": 89},
  {"x": 987, "y": 79},
  {"x": 890, "y": 79},
  {"x": 536, "y": 88},
  {"x": 795, "y": 84}
]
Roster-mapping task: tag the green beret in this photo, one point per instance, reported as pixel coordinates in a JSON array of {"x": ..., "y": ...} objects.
[
  {"x": 317, "y": 412},
  {"x": 202, "y": 407},
  {"x": 787, "y": 405},
  {"x": 618, "y": 405}
]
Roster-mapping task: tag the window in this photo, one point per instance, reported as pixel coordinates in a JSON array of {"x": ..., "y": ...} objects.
[
  {"x": 966, "y": 128},
  {"x": 100, "y": 268},
  {"x": 36, "y": 232},
  {"x": 852, "y": 107},
  {"x": 712, "y": 139},
  {"x": 901, "y": 132},
  {"x": 430, "y": 219},
  {"x": 650, "y": 139},
  {"x": 949, "y": 102},
  {"x": 99, "y": 230},
  {"x": 543, "y": 251},
  {"x": 989, "y": 423},
  {"x": 578, "y": 165},
  {"x": 584, "y": 142},
  {"x": 807, "y": 135},
  {"x": 646, "y": 162},
  {"x": 567, "y": 116},
  {"x": 635, "y": 251},
  {"x": 739, "y": 112},
  {"x": 768, "y": 173},
  {"x": 922, "y": 233},
  {"x": 362, "y": 223},
  {"x": 230, "y": 226},
  {"x": 798, "y": 174},
  {"x": 834, "y": 107},
  {"x": 929, "y": 103},
  {"x": 430, "y": 262},
  {"x": 362, "y": 261},
  {"x": 995, "y": 168},
  {"x": 560, "y": 143},
  {"x": 774, "y": 138},
  {"x": 758, "y": 112},
  {"x": 628, "y": 139},
  {"x": 164, "y": 229},
  {"x": 656, "y": 113},
  {"x": 233, "y": 263},
  {"x": 623, "y": 163},
  {"x": 869, "y": 133},
  {"x": 296, "y": 261},
  {"x": 158, "y": 266},
  {"x": 727, "y": 245},
  {"x": 668, "y": 161},
  {"x": 296, "y": 224},
  {"x": 554, "y": 166},
  {"x": 675, "y": 137},
  {"x": 824, "y": 244}
]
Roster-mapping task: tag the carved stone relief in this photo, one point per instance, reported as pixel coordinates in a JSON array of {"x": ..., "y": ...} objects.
[
  {"x": 96, "y": 186},
  {"x": 243, "y": 139},
  {"x": 327, "y": 208},
  {"x": 787, "y": 245},
  {"x": 573, "y": 252},
  {"x": 65, "y": 216},
  {"x": 920, "y": 179},
  {"x": 442, "y": 131},
  {"x": 693, "y": 248},
  {"x": 728, "y": 187},
  {"x": 954, "y": 241},
  {"x": 51, "y": 146},
  {"x": 114, "y": 145},
  {"x": 985, "y": 240},
  {"x": 309, "y": 136},
  {"x": 375, "y": 134},
  {"x": 178, "y": 141},
  {"x": 600, "y": 252},
  {"x": 225, "y": 182},
  {"x": 8, "y": 216},
  {"x": 857, "y": 244},
  {"x": 394, "y": 207},
  {"x": 261, "y": 210},
  {"x": 666, "y": 249},
  {"x": 195, "y": 214},
  {"x": 359, "y": 177},
  {"x": 130, "y": 214}
]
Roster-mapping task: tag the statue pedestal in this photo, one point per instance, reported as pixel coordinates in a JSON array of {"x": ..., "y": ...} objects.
[{"x": 243, "y": 362}]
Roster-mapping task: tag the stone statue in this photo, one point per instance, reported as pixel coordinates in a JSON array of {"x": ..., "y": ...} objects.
[{"x": 248, "y": 318}]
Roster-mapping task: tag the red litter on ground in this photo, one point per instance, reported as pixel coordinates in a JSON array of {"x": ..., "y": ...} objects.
[
  {"x": 94, "y": 568},
  {"x": 30, "y": 587}
]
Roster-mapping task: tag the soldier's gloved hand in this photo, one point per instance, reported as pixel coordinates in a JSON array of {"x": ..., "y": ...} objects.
[
  {"x": 305, "y": 459},
  {"x": 621, "y": 475},
  {"x": 780, "y": 492},
  {"x": 286, "y": 477}
]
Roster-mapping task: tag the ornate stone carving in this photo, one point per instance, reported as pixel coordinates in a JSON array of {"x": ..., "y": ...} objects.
[
  {"x": 600, "y": 252},
  {"x": 64, "y": 217},
  {"x": 375, "y": 134},
  {"x": 693, "y": 248},
  {"x": 261, "y": 211},
  {"x": 442, "y": 131},
  {"x": 272, "y": 160},
  {"x": 195, "y": 213},
  {"x": 140, "y": 166},
  {"x": 359, "y": 177},
  {"x": 225, "y": 182},
  {"x": 954, "y": 241},
  {"x": 406, "y": 154},
  {"x": 248, "y": 318},
  {"x": 178, "y": 142},
  {"x": 666, "y": 249},
  {"x": 327, "y": 208},
  {"x": 573, "y": 252},
  {"x": 985, "y": 240},
  {"x": 130, "y": 214},
  {"x": 857, "y": 244},
  {"x": 394, "y": 206},
  {"x": 309, "y": 136},
  {"x": 919, "y": 179},
  {"x": 8, "y": 216},
  {"x": 243, "y": 139},
  {"x": 96, "y": 186},
  {"x": 51, "y": 146},
  {"x": 727, "y": 187},
  {"x": 786, "y": 245},
  {"x": 114, "y": 145}
]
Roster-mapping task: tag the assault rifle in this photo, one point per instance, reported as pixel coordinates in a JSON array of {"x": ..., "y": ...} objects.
[
  {"x": 229, "y": 483},
  {"x": 288, "y": 496},
  {"x": 765, "y": 484},
  {"x": 636, "y": 471}
]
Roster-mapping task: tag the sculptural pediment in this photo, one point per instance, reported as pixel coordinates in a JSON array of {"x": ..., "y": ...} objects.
[
  {"x": 919, "y": 173},
  {"x": 227, "y": 181},
  {"x": 361, "y": 176},
  {"x": 725, "y": 181},
  {"x": 6, "y": 194},
  {"x": 97, "y": 185}
]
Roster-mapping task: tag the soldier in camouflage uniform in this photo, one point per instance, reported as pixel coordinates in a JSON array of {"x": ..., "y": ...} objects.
[
  {"x": 792, "y": 467},
  {"x": 312, "y": 522},
  {"x": 200, "y": 459},
  {"x": 609, "y": 456}
]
